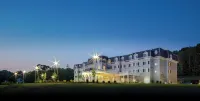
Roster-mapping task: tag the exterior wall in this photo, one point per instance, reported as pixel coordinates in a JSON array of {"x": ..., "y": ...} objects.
[
  {"x": 163, "y": 70},
  {"x": 173, "y": 74}
]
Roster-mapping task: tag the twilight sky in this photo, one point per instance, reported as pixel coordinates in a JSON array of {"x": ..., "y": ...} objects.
[{"x": 33, "y": 31}]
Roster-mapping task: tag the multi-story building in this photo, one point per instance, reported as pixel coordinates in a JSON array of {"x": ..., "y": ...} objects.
[{"x": 154, "y": 65}]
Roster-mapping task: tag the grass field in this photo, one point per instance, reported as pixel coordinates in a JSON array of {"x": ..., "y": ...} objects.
[{"x": 105, "y": 89}]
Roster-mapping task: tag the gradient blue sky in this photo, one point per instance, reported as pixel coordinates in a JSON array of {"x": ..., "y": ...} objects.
[{"x": 33, "y": 31}]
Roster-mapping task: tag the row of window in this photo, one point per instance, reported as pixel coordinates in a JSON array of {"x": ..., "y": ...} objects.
[
  {"x": 143, "y": 70},
  {"x": 134, "y": 64}
]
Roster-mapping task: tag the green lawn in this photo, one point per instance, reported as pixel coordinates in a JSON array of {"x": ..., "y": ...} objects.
[{"x": 83, "y": 88}]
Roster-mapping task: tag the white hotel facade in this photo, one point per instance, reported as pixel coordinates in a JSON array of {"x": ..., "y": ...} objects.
[{"x": 155, "y": 65}]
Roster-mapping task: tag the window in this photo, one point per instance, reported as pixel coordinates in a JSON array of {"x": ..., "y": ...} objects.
[
  {"x": 138, "y": 64},
  {"x": 143, "y": 70},
  {"x": 114, "y": 66},
  {"x": 129, "y": 65},
  {"x": 144, "y": 63},
  {"x": 170, "y": 71},
  {"x": 138, "y": 70},
  {"x": 124, "y": 66},
  {"x": 169, "y": 63},
  {"x": 133, "y": 64},
  {"x": 118, "y": 66},
  {"x": 148, "y": 62},
  {"x": 148, "y": 69}
]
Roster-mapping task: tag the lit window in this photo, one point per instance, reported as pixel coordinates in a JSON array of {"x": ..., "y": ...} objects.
[
  {"x": 169, "y": 63},
  {"x": 156, "y": 64},
  {"x": 170, "y": 71}
]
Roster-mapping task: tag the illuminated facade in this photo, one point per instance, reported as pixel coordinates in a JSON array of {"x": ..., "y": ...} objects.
[{"x": 155, "y": 65}]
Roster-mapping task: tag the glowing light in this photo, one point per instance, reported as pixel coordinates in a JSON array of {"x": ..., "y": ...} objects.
[
  {"x": 155, "y": 71},
  {"x": 36, "y": 67},
  {"x": 52, "y": 77},
  {"x": 146, "y": 80},
  {"x": 42, "y": 75},
  {"x": 95, "y": 56},
  {"x": 16, "y": 73},
  {"x": 24, "y": 71},
  {"x": 55, "y": 62}
]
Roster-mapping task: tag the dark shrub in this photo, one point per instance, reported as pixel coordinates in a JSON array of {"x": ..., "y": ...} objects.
[
  {"x": 157, "y": 81},
  {"x": 97, "y": 81},
  {"x": 108, "y": 81},
  {"x": 87, "y": 81},
  {"x": 103, "y": 82},
  {"x": 115, "y": 81},
  {"x": 160, "y": 82},
  {"x": 93, "y": 81},
  {"x": 152, "y": 81}
]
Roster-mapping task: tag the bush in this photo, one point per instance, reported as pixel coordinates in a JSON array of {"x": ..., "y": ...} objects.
[
  {"x": 93, "y": 81},
  {"x": 157, "y": 81},
  {"x": 115, "y": 81},
  {"x": 97, "y": 81},
  {"x": 5, "y": 83},
  {"x": 103, "y": 82},
  {"x": 87, "y": 81},
  {"x": 160, "y": 82},
  {"x": 152, "y": 81},
  {"x": 71, "y": 80},
  {"x": 108, "y": 81},
  {"x": 64, "y": 80}
]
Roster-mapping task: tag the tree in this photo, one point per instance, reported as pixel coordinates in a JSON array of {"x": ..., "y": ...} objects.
[{"x": 6, "y": 76}]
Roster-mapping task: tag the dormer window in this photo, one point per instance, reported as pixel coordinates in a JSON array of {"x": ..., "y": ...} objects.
[
  {"x": 122, "y": 58},
  {"x": 116, "y": 59},
  {"x": 145, "y": 54},
  {"x": 155, "y": 52},
  {"x": 109, "y": 61},
  {"x": 130, "y": 57},
  {"x": 170, "y": 56},
  {"x": 135, "y": 56}
]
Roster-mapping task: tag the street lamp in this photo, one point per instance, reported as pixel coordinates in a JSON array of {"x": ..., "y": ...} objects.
[
  {"x": 56, "y": 64},
  {"x": 15, "y": 76},
  {"x": 23, "y": 75},
  {"x": 36, "y": 72}
]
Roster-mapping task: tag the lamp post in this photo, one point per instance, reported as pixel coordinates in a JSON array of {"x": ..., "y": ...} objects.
[
  {"x": 56, "y": 64},
  {"x": 23, "y": 75},
  {"x": 16, "y": 76},
  {"x": 36, "y": 73}
]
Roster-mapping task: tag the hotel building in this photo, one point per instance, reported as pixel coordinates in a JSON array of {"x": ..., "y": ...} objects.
[{"x": 154, "y": 65}]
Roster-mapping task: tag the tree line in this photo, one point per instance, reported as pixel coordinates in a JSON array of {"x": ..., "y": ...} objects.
[
  {"x": 189, "y": 61},
  {"x": 44, "y": 75}
]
